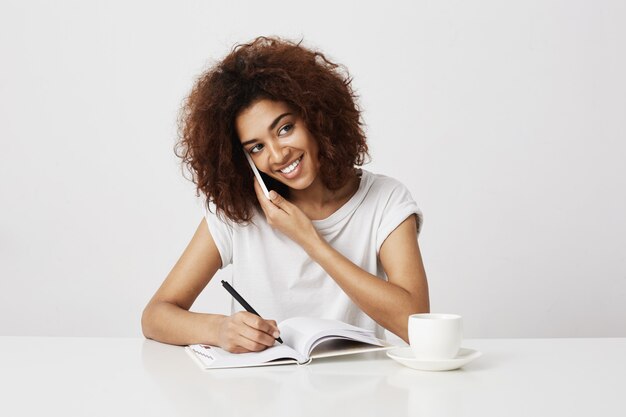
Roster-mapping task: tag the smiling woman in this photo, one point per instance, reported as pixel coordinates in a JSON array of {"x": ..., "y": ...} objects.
[
  {"x": 287, "y": 153},
  {"x": 307, "y": 85},
  {"x": 286, "y": 145},
  {"x": 333, "y": 241}
]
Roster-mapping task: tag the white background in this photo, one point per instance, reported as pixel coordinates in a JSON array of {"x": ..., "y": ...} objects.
[{"x": 506, "y": 120}]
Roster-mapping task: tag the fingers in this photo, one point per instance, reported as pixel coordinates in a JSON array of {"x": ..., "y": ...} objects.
[
  {"x": 255, "y": 322},
  {"x": 255, "y": 340},
  {"x": 248, "y": 332},
  {"x": 275, "y": 204},
  {"x": 259, "y": 191},
  {"x": 265, "y": 202},
  {"x": 280, "y": 202},
  {"x": 276, "y": 198},
  {"x": 266, "y": 205}
]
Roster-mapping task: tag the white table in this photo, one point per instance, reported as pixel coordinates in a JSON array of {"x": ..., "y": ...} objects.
[{"x": 136, "y": 377}]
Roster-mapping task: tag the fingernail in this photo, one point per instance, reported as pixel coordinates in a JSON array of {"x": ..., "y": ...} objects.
[
  {"x": 272, "y": 194},
  {"x": 275, "y": 334}
]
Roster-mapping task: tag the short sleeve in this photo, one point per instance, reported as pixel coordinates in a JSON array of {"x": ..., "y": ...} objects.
[
  {"x": 398, "y": 205},
  {"x": 221, "y": 230}
]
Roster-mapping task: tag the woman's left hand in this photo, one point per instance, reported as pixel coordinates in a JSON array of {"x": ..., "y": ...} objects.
[{"x": 286, "y": 217}]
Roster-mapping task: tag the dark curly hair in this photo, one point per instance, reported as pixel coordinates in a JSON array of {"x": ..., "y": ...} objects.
[{"x": 276, "y": 69}]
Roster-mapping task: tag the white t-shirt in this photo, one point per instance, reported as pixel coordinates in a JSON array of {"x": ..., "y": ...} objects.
[{"x": 278, "y": 278}]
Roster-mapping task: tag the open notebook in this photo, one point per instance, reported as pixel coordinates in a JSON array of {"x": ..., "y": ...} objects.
[{"x": 304, "y": 339}]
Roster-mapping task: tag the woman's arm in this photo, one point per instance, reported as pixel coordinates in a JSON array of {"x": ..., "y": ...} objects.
[
  {"x": 390, "y": 302},
  {"x": 167, "y": 318}
]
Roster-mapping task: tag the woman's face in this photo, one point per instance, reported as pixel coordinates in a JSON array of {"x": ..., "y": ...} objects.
[{"x": 277, "y": 140}]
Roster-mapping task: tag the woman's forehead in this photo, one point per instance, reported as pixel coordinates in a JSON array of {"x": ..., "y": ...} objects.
[{"x": 255, "y": 119}]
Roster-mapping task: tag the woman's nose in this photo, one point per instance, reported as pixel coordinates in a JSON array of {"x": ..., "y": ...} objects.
[{"x": 277, "y": 153}]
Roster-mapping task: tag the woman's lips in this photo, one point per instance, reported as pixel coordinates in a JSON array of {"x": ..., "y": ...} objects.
[{"x": 295, "y": 172}]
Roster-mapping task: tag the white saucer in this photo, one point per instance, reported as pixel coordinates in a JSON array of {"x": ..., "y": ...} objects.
[{"x": 405, "y": 356}]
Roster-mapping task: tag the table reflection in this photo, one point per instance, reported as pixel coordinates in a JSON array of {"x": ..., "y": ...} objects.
[{"x": 354, "y": 384}]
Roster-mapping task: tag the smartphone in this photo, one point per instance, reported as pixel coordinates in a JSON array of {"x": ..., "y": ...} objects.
[{"x": 257, "y": 174}]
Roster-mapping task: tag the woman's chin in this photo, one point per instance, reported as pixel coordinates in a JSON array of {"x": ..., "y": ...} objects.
[{"x": 300, "y": 183}]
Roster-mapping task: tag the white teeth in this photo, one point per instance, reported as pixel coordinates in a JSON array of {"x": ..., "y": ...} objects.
[{"x": 291, "y": 167}]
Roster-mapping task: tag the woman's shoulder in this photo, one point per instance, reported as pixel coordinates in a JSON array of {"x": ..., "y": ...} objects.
[
  {"x": 394, "y": 199},
  {"x": 382, "y": 183},
  {"x": 386, "y": 190}
]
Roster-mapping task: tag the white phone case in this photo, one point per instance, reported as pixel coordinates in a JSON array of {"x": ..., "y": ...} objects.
[{"x": 257, "y": 174}]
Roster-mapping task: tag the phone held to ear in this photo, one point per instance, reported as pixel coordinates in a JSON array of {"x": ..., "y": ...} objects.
[{"x": 257, "y": 174}]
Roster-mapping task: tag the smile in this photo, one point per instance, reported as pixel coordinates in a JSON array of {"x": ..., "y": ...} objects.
[{"x": 291, "y": 167}]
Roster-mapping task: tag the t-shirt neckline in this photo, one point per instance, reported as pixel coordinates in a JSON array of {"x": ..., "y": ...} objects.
[{"x": 348, "y": 206}]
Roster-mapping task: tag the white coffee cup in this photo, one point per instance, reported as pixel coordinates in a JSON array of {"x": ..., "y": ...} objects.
[{"x": 435, "y": 336}]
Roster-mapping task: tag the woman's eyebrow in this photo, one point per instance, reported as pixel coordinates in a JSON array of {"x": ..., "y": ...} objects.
[{"x": 270, "y": 128}]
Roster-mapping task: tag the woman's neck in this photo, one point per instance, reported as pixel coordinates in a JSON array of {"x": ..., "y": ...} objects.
[{"x": 318, "y": 202}]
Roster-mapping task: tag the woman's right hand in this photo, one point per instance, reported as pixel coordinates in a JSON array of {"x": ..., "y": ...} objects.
[{"x": 246, "y": 332}]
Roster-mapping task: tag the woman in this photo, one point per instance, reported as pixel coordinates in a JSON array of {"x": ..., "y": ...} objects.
[{"x": 334, "y": 241}]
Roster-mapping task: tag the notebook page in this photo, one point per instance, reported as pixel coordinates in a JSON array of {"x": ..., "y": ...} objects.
[
  {"x": 215, "y": 357},
  {"x": 301, "y": 333},
  {"x": 345, "y": 335},
  {"x": 340, "y": 347}
]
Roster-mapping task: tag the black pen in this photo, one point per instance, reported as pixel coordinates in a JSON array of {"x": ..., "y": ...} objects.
[{"x": 243, "y": 302}]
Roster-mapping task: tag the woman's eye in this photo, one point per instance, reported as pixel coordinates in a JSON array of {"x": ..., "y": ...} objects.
[
  {"x": 254, "y": 148},
  {"x": 290, "y": 126}
]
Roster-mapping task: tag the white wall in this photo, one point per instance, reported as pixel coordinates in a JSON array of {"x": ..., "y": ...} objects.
[{"x": 505, "y": 120}]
